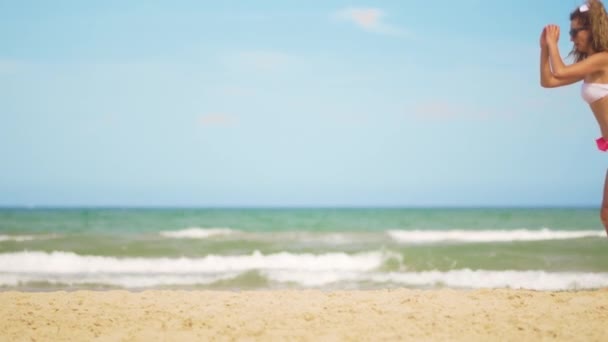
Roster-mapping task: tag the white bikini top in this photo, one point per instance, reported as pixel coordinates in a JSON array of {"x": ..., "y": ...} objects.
[{"x": 592, "y": 92}]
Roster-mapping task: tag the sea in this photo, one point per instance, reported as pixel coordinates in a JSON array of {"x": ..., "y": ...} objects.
[{"x": 48, "y": 249}]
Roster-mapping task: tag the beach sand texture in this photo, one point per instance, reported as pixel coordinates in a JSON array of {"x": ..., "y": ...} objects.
[{"x": 305, "y": 315}]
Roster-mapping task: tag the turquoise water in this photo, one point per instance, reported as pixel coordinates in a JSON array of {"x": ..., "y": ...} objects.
[{"x": 302, "y": 248}]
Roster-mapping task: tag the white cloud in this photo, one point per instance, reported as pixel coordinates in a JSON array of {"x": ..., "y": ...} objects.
[
  {"x": 370, "y": 19},
  {"x": 217, "y": 119}
]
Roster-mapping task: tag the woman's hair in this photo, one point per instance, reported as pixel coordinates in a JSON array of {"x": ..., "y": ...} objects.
[{"x": 596, "y": 20}]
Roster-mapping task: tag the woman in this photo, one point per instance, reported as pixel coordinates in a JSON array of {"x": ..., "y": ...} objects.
[{"x": 589, "y": 34}]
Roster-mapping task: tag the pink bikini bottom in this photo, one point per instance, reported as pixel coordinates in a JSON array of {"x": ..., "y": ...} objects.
[{"x": 602, "y": 144}]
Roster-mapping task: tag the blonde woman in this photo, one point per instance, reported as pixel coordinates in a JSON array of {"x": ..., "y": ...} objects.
[{"x": 589, "y": 34}]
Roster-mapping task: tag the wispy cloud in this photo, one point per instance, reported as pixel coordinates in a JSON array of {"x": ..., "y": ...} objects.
[
  {"x": 217, "y": 119},
  {"x": 370, "y": 19}
]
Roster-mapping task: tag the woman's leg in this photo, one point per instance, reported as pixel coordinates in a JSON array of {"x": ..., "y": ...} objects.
[{"x": 604, "y": 210}]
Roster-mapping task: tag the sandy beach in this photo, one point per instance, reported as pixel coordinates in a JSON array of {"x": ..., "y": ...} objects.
[{"x": 305, "y": 315}]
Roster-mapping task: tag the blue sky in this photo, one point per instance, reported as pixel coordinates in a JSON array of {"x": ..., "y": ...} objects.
[{"x": 289, "y": 103}]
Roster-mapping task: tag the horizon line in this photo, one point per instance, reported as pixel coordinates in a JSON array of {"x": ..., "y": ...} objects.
[{"x": 267, "y": 207}]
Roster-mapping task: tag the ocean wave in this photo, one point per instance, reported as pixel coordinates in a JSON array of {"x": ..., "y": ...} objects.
[
  {"x": 119, "y": 280},
  {"x": 21, "y": 238},
  {"x": 297, "y": 237},
  {"x": 464, "y": 278},
  {"x": 197, "y": 233},
  {"x": 430, "y": 236},
  {"x": 71, "y": 263},
  {"x": 336, "y": 279},
  {"x": 317, "y": 238},
  {"x": 475, "y": 279}
]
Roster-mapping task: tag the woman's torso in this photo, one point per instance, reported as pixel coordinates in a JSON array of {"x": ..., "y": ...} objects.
[{"x": 597, "y": 96}]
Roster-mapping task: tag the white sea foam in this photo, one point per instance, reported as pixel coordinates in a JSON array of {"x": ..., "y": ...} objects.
[
  {"x": 71, "y": 263},
  {"x": 21, "y": 238},
  {"x": 430, "y": 236},
  {"x": 314, "y": 279},
  {"x": 197, "y": 233},
  {"x": 319, "y": 238},
  {"x": 470, "y": 279},
  {"x": 299, "y": 237},
  {"x": 126, "y": 281},
  {"x": 302, "y": 270},
  {"x": 465, "y": 278},
  {"x": 334, "y": 239}
]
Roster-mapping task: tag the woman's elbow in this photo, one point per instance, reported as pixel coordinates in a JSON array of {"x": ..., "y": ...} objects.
[
  {"x": 559, "y": 74},
  {"x": 551, "y": 83}
]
